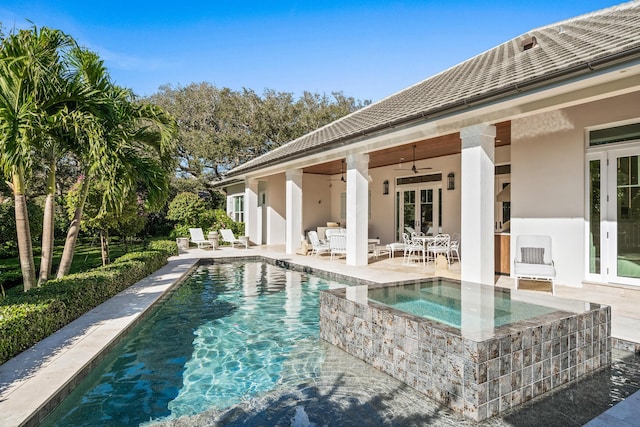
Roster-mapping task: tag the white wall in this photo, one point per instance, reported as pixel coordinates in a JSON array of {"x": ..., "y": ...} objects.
[
  {"x": 316, "y": 201},
  {"x": 548, "y": 177},
  {"x": 276, "y": 209}
]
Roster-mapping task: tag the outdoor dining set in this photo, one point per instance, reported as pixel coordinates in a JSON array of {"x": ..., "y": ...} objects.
[{"x": 415, "y": 247}]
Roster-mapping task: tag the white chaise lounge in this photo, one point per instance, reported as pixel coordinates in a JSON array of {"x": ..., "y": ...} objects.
[
  {"x": 533, "y": 260},
  {"x": 197, "y": 237},
  {"x": 227, "y": 236}
]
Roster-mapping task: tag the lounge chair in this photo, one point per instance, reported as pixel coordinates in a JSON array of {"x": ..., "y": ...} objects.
[
  {"x": 533, "y": 260},
  {"x": 227, "y": 236},
  {"x": 317, "y": 246},
  {"x": 338, "y": 245},
  {"x": 197, "y": 237}
]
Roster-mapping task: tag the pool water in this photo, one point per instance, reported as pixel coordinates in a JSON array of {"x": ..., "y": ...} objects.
[
  {"x": 441, "y": 300},
  {"x": 228, "y": 333}
]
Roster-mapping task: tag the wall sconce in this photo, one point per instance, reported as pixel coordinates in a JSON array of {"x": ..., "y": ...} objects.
[
  {"x": 451, "y": 181},
  {"x": 385, "y": 187}
]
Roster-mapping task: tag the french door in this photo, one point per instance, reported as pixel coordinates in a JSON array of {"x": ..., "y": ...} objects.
[
  {"x": 419, "y": 209},
  {"x": 614, "y": 216}
]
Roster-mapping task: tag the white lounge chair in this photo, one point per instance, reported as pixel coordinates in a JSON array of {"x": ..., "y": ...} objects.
[
  {"x": 317, "y": 246},
  {"x": 197, "y": 237},
  {"x": 227, "y": 236},
  {"x": 533, "y": 260},
  {"x": 338, "y": 245}
]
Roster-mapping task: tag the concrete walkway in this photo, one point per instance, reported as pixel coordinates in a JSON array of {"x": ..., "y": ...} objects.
[{"x": 36, "y": 380}]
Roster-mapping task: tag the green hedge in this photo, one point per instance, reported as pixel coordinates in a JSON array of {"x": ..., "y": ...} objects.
[
  {"x": 30, "y": 317},
  {"x": 169, "y": 246}
]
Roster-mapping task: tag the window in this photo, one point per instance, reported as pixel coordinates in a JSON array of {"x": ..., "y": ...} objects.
[
  {"x": 237, "y": 208},
  {"x": 614, "y": 134}
]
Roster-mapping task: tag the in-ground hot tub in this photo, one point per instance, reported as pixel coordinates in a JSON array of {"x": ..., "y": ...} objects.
[{"x": 478, "y": 349}]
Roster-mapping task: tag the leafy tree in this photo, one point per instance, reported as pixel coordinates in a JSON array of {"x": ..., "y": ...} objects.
[
  {"x": 188, "y": 210},
  {"x": 126, "y": 222},
  {"x": 222, "y": 128}
]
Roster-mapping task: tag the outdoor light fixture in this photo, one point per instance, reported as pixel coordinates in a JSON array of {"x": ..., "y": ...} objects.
[
  {"x": 451, "y": 181},
  {"x": 385, "y": 187}
]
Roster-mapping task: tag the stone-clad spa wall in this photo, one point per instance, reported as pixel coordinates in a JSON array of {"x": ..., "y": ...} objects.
[{"x": 479, "y": 379}]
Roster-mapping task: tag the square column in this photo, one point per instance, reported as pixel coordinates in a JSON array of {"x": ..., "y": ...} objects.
[
  {"x": 293, "y": 231},
  {"x": 357, "y": 209},
  {"x": 251, "y": 217},
  {"x": 478, "y": 170}
]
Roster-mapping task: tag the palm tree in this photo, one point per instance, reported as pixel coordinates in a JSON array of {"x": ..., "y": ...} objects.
[
  {"x": 30, "y": 91},
  {"x": 73, "y": 129},
  {"x": 122, "y": 158}
]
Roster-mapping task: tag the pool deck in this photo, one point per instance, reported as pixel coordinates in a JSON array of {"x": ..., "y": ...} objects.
[{"x": 53, "y": 366}]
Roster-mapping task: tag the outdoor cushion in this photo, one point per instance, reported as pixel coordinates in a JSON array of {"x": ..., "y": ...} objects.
[
  {"x": 532, "y": 255},
  {"x": 535, "y": 270}
]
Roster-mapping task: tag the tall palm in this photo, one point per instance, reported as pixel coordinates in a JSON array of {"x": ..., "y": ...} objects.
[
  {"x": 73, "y": 129},
  {"x": 123, "y": 160},
  {"x": 30, "y": 90}
]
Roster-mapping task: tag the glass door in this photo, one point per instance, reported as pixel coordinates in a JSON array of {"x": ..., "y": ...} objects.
[
  {"x": 419, "y": 209},
  {"x": 624, "y": 212},
  {"x": 613, "y": 228}
]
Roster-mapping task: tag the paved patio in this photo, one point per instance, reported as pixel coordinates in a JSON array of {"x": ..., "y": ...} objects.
[{"x": 56, "y": 364}]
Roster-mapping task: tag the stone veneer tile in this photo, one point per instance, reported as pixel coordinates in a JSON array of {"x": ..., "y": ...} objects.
[{"x": 479, "y": 379}]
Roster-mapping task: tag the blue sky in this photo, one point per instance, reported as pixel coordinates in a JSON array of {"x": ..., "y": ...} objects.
[{"x": 366, "y": 49}]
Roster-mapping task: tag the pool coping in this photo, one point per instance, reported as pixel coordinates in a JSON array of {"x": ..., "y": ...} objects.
[{"x": 38, "y": 379}]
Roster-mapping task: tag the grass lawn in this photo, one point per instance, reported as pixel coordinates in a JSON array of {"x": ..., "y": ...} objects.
[{"x": 87, "y": 256}]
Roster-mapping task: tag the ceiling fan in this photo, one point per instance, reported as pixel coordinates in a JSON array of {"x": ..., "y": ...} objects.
[{"x": 413, "y": 169}]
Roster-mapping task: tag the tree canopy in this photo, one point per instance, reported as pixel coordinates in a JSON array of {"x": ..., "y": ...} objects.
[{"x": 220, "y": 128}]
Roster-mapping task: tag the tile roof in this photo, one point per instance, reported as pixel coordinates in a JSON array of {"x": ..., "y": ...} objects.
[{"x": 566, "y": 46}]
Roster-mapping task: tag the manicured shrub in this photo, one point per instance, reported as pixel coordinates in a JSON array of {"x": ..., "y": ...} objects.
[
  {"x": 167, "y": 246},
  {"x": 27, "y": 318}
]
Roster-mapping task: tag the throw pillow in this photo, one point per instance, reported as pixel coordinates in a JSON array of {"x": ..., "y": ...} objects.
[{"x": 532, "y": 255}]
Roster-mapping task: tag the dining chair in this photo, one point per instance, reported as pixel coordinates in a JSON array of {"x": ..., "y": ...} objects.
[
  {"x": 454, "y": 246},
  {"x": 439, "y": 245},
  {"x": 414, "y": 247}
]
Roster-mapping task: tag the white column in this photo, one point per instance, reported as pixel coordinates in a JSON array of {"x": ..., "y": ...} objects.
[
  {"x": 477, "y": 314},
  {"x": 251, "y": 209},
  {"x": 294, "y": 231},
  {"x": 357, "y": 209},
  {"x": 477, "y": 237}
]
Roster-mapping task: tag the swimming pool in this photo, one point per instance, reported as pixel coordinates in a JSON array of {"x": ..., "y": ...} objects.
[{"x": 230, "y": 332}]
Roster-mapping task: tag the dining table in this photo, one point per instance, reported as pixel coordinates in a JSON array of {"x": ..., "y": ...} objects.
[{"x": 425, "y": 243}]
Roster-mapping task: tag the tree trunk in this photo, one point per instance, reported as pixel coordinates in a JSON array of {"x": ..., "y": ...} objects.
[
  {"x": 72, "y": 233},
  {"x": 24, "y": 233},
  {"x": 47, "y": 226},
  {"x": 104, "y": 245}
]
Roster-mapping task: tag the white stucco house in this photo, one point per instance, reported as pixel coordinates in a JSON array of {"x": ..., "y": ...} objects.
[{"x": 539, "y": 135}]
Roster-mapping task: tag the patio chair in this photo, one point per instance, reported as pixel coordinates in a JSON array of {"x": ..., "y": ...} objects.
[
  {"x": 440, "y": 245},
  {"x": 227, "y": 236},
  {"x": 317, "y": 245},
  {"x": 533, "y": 260},
  {"x": 413, "y": 247},
  {"x": 338, "y": 245},
  {"x": 197, "y": 237},
  {"x": 454, "y": 246}
]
